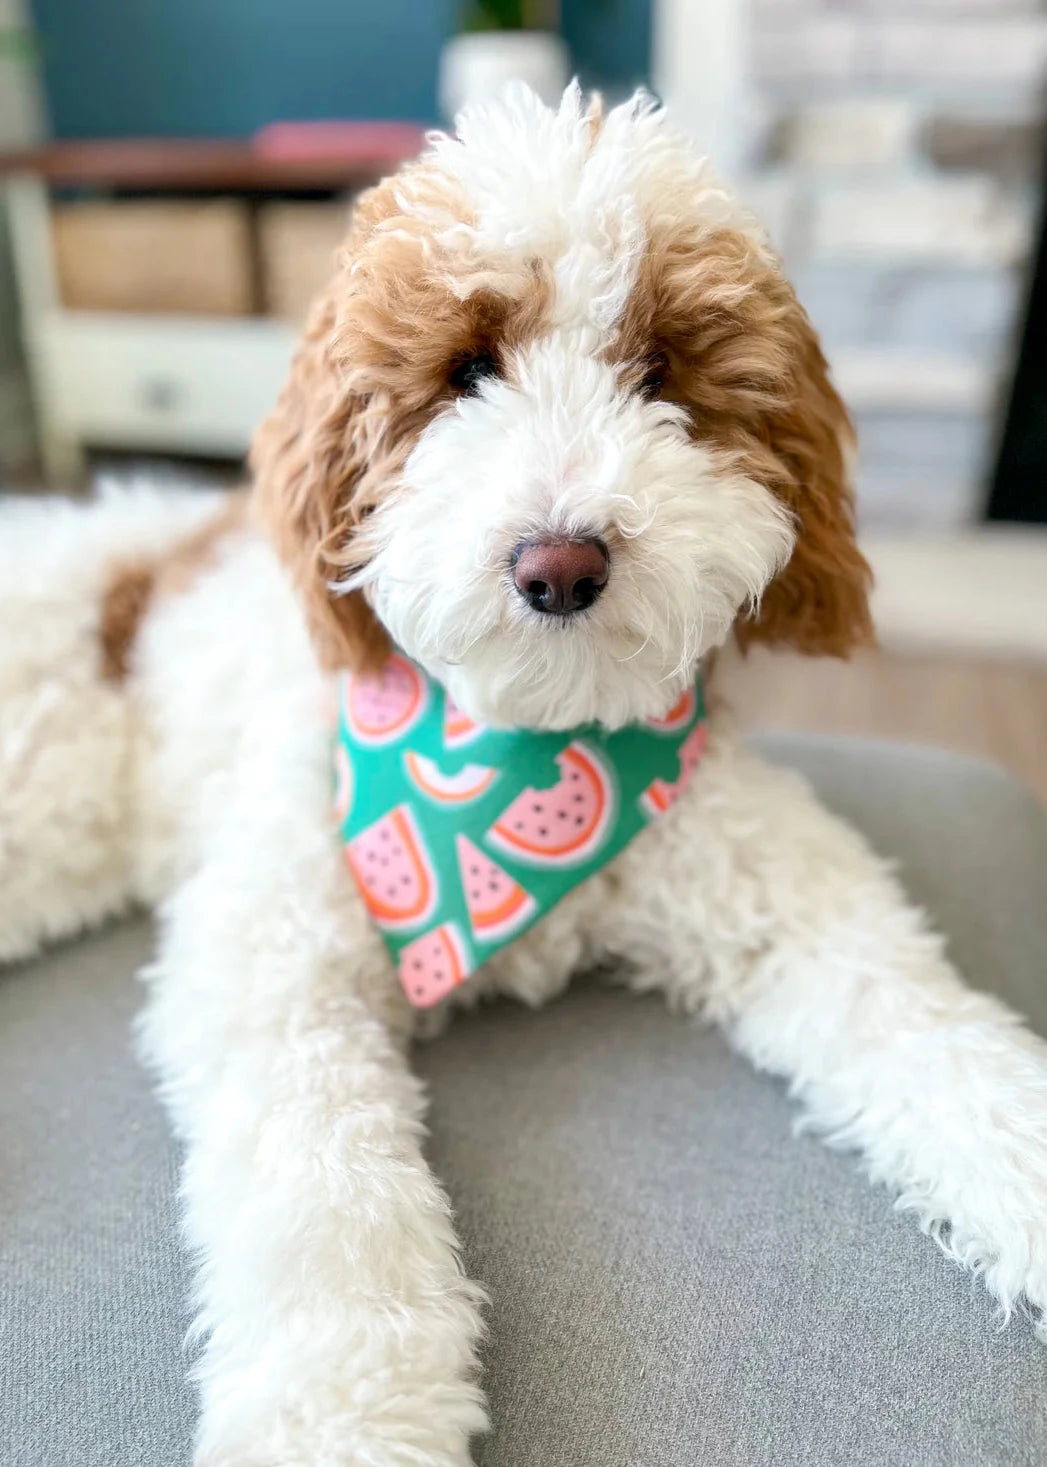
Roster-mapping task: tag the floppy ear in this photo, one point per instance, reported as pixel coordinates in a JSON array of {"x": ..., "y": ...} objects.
[
  {"x": 317, "y": 460},
  {"x": 819, "y": 602}
]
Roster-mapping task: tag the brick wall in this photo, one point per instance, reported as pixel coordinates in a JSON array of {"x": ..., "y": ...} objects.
[{"x": 899, "y": 156}]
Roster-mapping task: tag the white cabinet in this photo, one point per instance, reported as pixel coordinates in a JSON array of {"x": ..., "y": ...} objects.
[
  {"x": 178, "y": 383},
  {"x": 182, "y": 384}
]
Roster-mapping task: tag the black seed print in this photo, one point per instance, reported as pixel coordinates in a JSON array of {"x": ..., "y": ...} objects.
[
  {"x": 474, "y": 870},
  {"x": 405, "y": 881},
  {"x": 419, "y": 991},
  {"x": 579, "y": 820},
  {"x": 561, "y": 814},
  {"x": 518, "y": 825},
  {"x": 492, "y": 886},
  {"x": 543, "y": 830},
  {"x": 416, "y": 963},
  {"x": 578, "y": 799}
]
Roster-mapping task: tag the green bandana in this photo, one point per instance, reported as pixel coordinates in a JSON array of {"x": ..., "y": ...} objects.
[{"x": 461, "y": 836}]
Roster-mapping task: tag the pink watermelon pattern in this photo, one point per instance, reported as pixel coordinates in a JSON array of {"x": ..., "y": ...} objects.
[
  {"x": 393, "y": 871},
  {"x": 433, "y": 964},
  {"x": 563, "y": 825},
  {"x": 498, "y": 906},
  {"x": 381, "y": 707},
  {"x": 679, "y": 715},
  {"x": 660, "y": 794},
  {"x": 459, "y": 728},
  {"x": 448, "y": 789},
  {"x": 455, "y": 859}
]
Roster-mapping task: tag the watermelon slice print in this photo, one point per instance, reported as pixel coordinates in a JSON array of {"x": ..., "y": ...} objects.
[
  {"x": 433, "y": 964},
  {"x": 563, "y": 825},
  {"x": 497, "y": 905},
  {"x": 393, "y": 871},
  {"x": 448, "y": 789},
  {"x": 379, "y": 708},
  {"x": 679, "y": 715},
  {"x": 459, "y": 728},
  {"x": 660, "y": 793},
  {"x": 343, "y": 783}
]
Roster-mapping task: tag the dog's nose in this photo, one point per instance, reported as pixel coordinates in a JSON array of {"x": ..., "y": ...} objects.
[{"x": 560, "y": 575}]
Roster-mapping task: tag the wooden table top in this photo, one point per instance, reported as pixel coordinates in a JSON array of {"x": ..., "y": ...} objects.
[{"x": 283, "y": 157}]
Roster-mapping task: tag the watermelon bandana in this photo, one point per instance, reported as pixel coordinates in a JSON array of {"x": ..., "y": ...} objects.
[{"x": 461, "y": 836}]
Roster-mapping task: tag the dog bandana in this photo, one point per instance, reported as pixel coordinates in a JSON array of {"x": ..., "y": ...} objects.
[{"x": 461, "y": 836}]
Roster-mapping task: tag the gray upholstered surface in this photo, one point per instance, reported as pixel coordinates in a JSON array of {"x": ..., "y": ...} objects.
[
  {"x": 676, "y": 1281},
  {"x": 92, "y": 1287}
]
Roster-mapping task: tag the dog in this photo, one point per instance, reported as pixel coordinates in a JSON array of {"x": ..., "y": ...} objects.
[{"x": 557, "y": 430}]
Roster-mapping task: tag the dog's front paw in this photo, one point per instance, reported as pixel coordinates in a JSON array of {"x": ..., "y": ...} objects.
[
  {"x": 995, "y": 1225},
  {"x": 324, "y": 1453},
  {"x": 382, "y": 1428},
  {"x": 1010, "y": 1255}
]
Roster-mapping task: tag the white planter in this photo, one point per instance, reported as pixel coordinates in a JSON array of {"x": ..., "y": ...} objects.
[
  {"x": 700, "y": 62},
  {"x": 478, "y": 64}
]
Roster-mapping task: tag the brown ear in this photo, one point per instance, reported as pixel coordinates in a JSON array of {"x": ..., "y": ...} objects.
[
  {"x": 315, "y": 459},
  {"x": 819, "y": 602}
]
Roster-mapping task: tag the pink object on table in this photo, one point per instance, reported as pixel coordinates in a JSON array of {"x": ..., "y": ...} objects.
[{"x": 390, "y": 142}]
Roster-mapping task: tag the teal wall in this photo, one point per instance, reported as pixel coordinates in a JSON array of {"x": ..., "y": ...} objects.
[{"x": 193, "y": 67}]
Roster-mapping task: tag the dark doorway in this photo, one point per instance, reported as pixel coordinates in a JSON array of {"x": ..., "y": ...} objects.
[{"x": 1019, "y": 489}]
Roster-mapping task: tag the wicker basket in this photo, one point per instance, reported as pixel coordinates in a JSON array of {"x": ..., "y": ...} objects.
[
  {"x": 297, "y": 244},
  {"x": 160, "y": 256}
]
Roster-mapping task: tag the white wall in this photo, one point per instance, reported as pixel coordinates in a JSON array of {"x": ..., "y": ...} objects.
[{"x": 700, "y": 69}]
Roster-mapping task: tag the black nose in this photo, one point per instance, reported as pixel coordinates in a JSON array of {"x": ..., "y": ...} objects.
[{"x": 560, "y": 575}]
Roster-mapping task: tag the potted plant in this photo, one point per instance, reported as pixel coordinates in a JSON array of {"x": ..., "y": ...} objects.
[{"x": 499, "y": 41}]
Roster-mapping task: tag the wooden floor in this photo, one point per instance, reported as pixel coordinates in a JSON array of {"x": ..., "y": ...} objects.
[{"x": 993, "y": 708}]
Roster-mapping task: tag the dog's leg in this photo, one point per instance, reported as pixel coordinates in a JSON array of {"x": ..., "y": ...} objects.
[
  {"x": 772, "y": 916},
  {"x": 337, "y": 1325},
  {"x": 66, "y": 732}
]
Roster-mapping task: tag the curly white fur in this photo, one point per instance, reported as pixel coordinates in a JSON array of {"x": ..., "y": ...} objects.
[
  {"x": 336, "y": 1326},
  {"x": 691, "y": 543},
  {"x": 570, "y": 450}
]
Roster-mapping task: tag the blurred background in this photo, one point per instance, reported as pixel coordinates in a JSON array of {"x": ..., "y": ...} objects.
[{"x": 176, "y": 174}]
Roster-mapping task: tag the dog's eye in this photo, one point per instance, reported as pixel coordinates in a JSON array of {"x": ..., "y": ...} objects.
[
  {"x": 653, "y": 380},
  {"x": 467, "y": 375}
]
